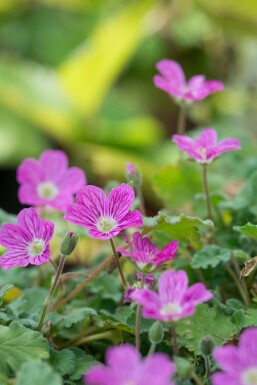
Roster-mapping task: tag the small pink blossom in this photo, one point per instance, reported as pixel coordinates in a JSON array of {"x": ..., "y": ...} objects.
[
  {"x": 105, "y": 217},
  {"x": 172, "y": 80},
  {"x": 149, "y": 281},
  {"x": 238, "y": 364},
  {"x": 175, "y": 299},
  {"x": 27, "y": 241},
  {"x": 205, "y": 148},
  {"x": 124, "y": 366},
  {"x": 130, "y": 168},
  {"x": 48, "y": 181},
  {"x": 146, "y": 254}
]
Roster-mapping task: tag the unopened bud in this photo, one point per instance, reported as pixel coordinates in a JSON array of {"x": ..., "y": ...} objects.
[
  {"x": 68, "y": 243},
  {"x": 133, "y": 175},
  {"x": 156, "y": 333},
  {"x": 183, "y": 366},
  {"x": 206, "y": 346}
]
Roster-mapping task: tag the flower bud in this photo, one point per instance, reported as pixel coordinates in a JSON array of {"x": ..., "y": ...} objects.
[
  {"x": 156, "y": 333},
  {"x": 206, "y": 346},
  {"x": 183, "y": 366},
  {"x": 68, "y": 243},
  {"x": 133, "y": 175}
]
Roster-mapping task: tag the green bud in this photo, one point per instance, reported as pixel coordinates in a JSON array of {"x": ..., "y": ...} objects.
[
  {"x": 156, "y": 333},
  {"x": 184, "y": 367},
  {"x": 68, "y": 243},
  {"x": 206, "y": 346}
]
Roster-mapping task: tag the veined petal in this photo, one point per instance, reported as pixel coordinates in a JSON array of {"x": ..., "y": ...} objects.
[
  {"x": 208, "y": 137},
  {"x": 169, "y": 250},
  {"x": 82, "y": 215},
  {"x": 248, "y": 347},
  {"x": 94, "y": 199},
  {"x": 30, "y": 222},
  {"x": 225, "y": 379},
  {"x": 133, "y": 219},
  {"x": 42, "y": 258},
  {"x": 228, "y": 144},
  {"x": 119, "y": 201},
  {"x": 144, "y": 244},
  {"x": 147, "y": 298},
  {"x": 27, "y": 195},
  {"x": 156, "y": 370},
  {"x": 124, "y": 362},
  {"x": 197, "y": 293},
  {"x": 172, "y": 286},
  {"x": 29, "y": 171},
  {"x": 228, "y": 358},
  {"x": 13, "y": 258},
  {"x": 12, "y": 236},
  {"x": 72, "y": 180},
  {"x": 53, "y": 163},
  {"x": 172, "y": 71},
  {"x": 95, "y": 233}
]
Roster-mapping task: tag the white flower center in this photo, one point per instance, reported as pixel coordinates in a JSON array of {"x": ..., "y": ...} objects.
[
  {"x": 249, "y": 376},
  {"x": 47, "y": 190},
  {"x": 36, "y": 247},
  {"x": 106, "y": 224},
  {"x": 203, "y": 152},
  {"x": 170, "y": 308}
]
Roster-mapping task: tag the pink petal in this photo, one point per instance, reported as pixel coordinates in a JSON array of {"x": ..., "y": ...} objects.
[
  {"x": 30, "y": 222},
  {"x": 144, "y": 244},
  {"x": 196, "y": 82},
  {"x": 225, "y": 379},
  {"x": 14, "y": 258},
  {"x": 208, "y": 137},
  {"x": 94, "y": 199},
  {"x": 157, "y": 370},
  {"x": 120, "y": 200},
  {"x": 42, "y": 258},
  {"x": 12, "y": 236},
  {"x": 213, "y": 86},
  {"x": 228, "y": 144},
  {"x": 248, "y": 347},
  {"x": 82, "y": 215},
  {"x": 149, "y": 299},
  {"x": 197, "y": 293},
  {"x": 29, "y": 172},
  {"x": 172, "y": 71},
  {"x": 99, "y": 375},
  {"x": 124, "y": 362},
  {"x": 133, "y": 219},
  {"x": 72, "y": 180},
  {"x": 53, "y": 164},
  {"x": 27, "y": 195},
  {"x": 172, "y": 286},
  {"x": 169, "y": 250},
  {"x": 95, "y": 233},
  {"x": 227, "y": 358}
]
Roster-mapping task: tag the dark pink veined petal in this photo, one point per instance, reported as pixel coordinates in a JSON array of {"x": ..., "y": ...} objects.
[
  {"x": 172, "y": 286},
  {"x": 13, "y": 258},
  {"x": 150, "y": 302},
  {"x": 95, "y": 233},
  {"x": 172, "y": 71},
  {"x": 133, "y": 219},
  {"x": 157, "y": 369},
  {"x": 12, "y": 236},
  {"x": 94, "y": 199},
  {"x": 248, "y": 347},
  {"x": 119, "y": 201},
  {"x": 29, "y": 172},
  {"x": 81, "y": 215},
  {"x": 53, "y": 163},
  {"x": 220, "y": 378},
  {"x": 72, "y": 180},
  {"x": 125, "y": 253},
  {"x": 42, "y": 258},
  {"x": 27, "y": 195},
  {"x": 212, "y": 153},
  {"x": 228, "y": 358},
  {"x": 61, "y": 202},
  {"x": 30, "y": 222},
  {"x": 208, "y": 137},
  {"x": 197, "y": 293},
  {"x": 144, "y": 244},
  {"x": 46, "y": 231},
  {"x": 228, "y": 144},
  {"x": 169, "y": 249}
]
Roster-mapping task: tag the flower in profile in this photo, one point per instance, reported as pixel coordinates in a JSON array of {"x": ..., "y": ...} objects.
[
  {"x": 146, "y": 254},
  {"x": 27, "y": 241},
  {"x": 205, "y": 148},
  {"x": 149, "y": 281},
  {"x": 238, "y": 364},
  {"x": 175, "y": 299},
  {"x": 104, "y": 217},
  {"x": 124, "y": 366},
  {"x": 172, "y": 80},
  {"x": 48, "y": 181}
]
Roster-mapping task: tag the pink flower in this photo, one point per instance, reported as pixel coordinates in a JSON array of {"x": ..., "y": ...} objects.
[
  {"x": 146, "y": 255},
  {"x": 239, "y": 364},
  {"x": 126, "y": 367},
  {"x": 149, "y": 280},
  {"x": 172, "y": 80},
  {"x": 130, "y": 168},
  {"x": 49, "y": 181},
  {"x": 175, "y": 300},
  {"x": 27, "y": 241},
  {"x": 205, "y": 148},
  {"x": 105, "y": 217}
]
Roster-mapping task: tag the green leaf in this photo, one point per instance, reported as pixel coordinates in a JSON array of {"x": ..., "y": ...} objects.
[
  {"x": 82, "y": 363},
  {"x": 75, "y": 316},
  {"x": 145, "y": 324},
  {"x": 62, "y": 361},
  {"x": 251, "y": 317},
  {"x": 30, "y": 303},
  {"x": 249, "y": 230},
  {"x": 182, "y": 228},
  {"x": 210, "y": 256},
  {"x": 106, "y": 288},
  {"x": 18, "y": 344},
  {"x": 205, "y": 322},
  {"x": 37, "y": 372}
]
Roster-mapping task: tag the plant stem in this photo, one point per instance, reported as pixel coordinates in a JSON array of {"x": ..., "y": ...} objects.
[
  {"x": 51, "y": 292},
  {"x": 141, "y": 201},
  {"x": 196, "y": 379},
  {"x": 116, "y": 258},
  {"x": 207, "y": 366},
  {"x": 181, "y": 125},
  {"x": 138, "y": 317},
  {"x": 174, "y": 340},
  {"x": 238, "y": 284},
  {"x": 206, "y": 190},
  {"x": 238, "y": 271},
  {"x": 152, "y": 349},
  {"x": 75, "y": 291}
]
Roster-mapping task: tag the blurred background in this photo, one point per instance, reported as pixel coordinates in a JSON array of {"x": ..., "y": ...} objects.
[{"x": 77, "y": 75}]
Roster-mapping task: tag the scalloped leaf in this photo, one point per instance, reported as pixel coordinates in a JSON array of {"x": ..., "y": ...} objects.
[
  {"x": 37, "y": 372},
  {"x": 210, "y": 256},
  {"x": 249, "y": 230},
  {"x": 75, "y": 316}
]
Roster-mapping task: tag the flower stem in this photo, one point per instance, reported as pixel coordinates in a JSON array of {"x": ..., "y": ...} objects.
[
  {"x": 196, "y": 379},
  {"x": 138, "y": 317},
  {"x": 141, "y": 201},
  {"x": 207, "y": 366},
  {"x": 174, "y": 340},
  {"x": 238, "y": 285},
  {"x": 116, "y": 258},
  {"x": 206, "y": 190},
  {"x": 181, "y": 125},
  {"x": 51, "y": 292}
]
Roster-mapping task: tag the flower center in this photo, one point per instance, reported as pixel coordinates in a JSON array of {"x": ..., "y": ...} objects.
[
  {"x": 170, "y": 308},
  {"x": 106, "y": 224},
  {"x": 203, "y": 152},
  {"x": 249, "y": 376},
  {"x": 47, "y": 190},
  {"x": 36, "y": 247}
]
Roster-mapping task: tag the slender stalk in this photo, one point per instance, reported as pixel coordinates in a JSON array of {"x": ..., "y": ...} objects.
[
  {"x": 141, "y": 201},
  {"x": 174, "y": 340},
  {"x": 207, "y": 366},
  {"x": 77, "y": 289},
  {"x": 51, "y": 292},
  {"x": 238, "y": 284},
  {"x": 152, "y": 349},
  {"x": 94, "y": 337},
  {"x": 118, "y": 264},
  {"x": 206, "y": 190},
  {"x": 138, "y": 317},
  {"x": 238, "y": 271},
  {"x": 196, "y": 379},
  {"x": 181, "y": 125}
]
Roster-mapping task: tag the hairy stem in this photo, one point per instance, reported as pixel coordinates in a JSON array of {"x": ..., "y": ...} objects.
[
  {"x": 152, "y": 349},
  {"x": 118, "y": 264},
  {"x": 141, "y": 200},
  {"x": 206, "y": 190},
  {"x": 138, "y": 317},
  {"x": 181, "y": 125},
  {"x": 51, "y": 292},
  {"x": 207, "y": 366},
  {"x": 196, "y": 379},
  {"x": 174, "y": 340}
]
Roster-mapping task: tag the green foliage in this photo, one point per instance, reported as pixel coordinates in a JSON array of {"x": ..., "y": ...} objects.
[
  {"x": 63, "y": 361},
  {"x": 18, "y": 344},
  {"x": 210, "y": 256},
  {"x": 37, "y": 372},
  {"x": 73, "y": 317},
  {"x": 3, "y": 291},
  {"x": 249, "y": 230},
  {"x": 82, "y": 363},
  {"x": 183, "y": 228},
  {"x": 205, "y": 322}
]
